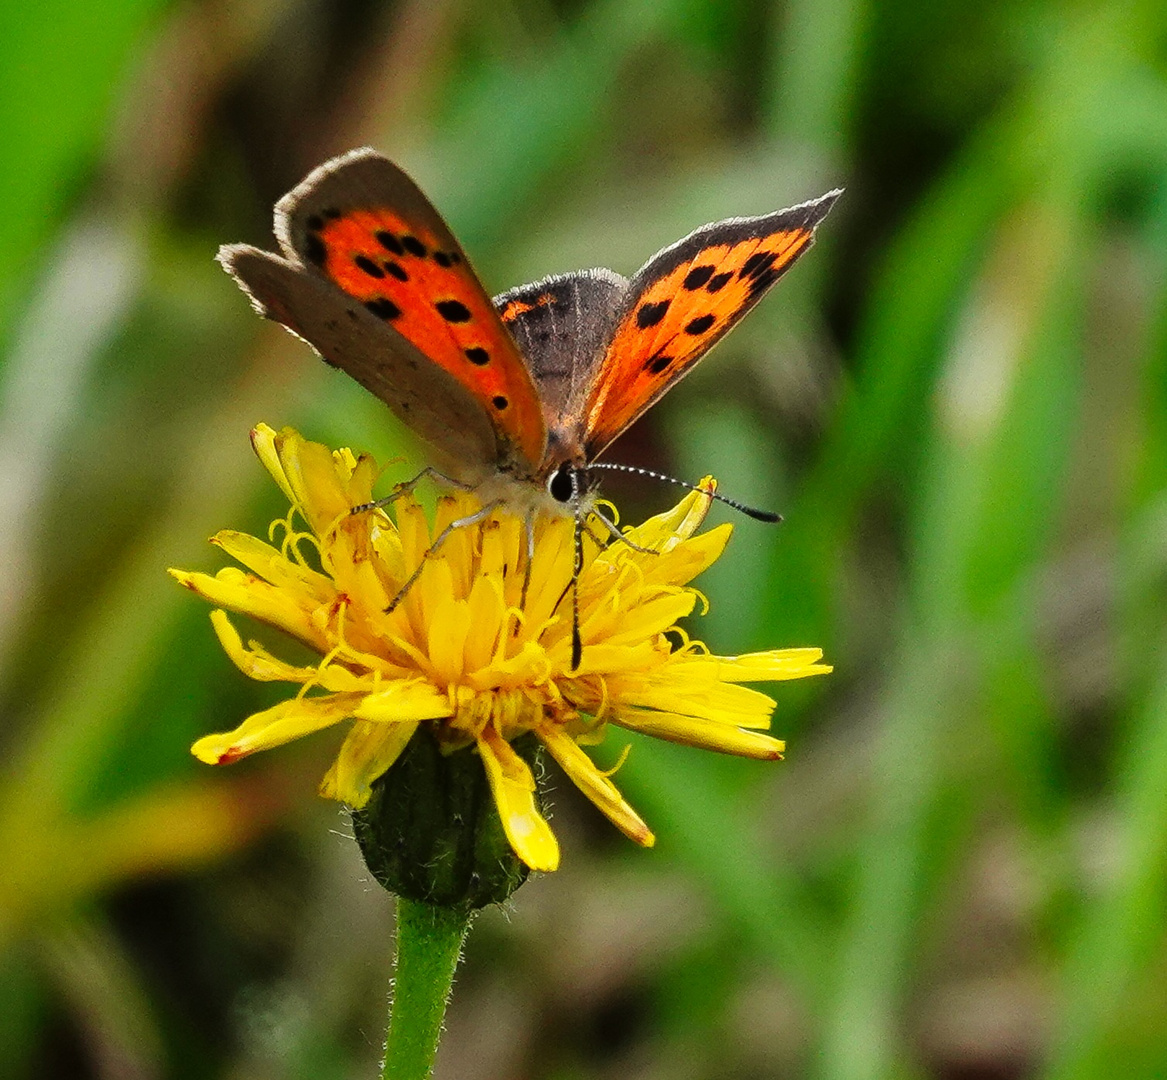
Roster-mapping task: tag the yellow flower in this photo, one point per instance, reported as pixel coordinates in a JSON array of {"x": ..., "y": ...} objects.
[{"x": 460, "y": 652}]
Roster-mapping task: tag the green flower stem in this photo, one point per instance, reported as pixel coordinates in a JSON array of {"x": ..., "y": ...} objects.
[{"x": 429, "y": 945}]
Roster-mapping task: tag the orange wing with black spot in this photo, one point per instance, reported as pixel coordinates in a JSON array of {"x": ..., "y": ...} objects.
[
  {"x": 684, "y": 300},
  {"x": 361, "y": 228}
]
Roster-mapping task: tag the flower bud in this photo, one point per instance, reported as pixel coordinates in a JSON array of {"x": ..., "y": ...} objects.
[{"x": 431, "y": 831}]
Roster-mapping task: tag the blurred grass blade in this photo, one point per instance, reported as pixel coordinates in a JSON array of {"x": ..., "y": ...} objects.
[
  {"x": 1118, "y": 940},
  {"x": 49, "y": 135},
  {"x": 92, "y": 281},
  {"x": 1029, "y": 363}
]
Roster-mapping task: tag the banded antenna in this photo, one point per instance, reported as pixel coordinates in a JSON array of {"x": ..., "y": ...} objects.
[{"x": 750, "y": 511}]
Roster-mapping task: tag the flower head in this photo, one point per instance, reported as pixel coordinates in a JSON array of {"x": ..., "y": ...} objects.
[{"x": 463, "y": 654}]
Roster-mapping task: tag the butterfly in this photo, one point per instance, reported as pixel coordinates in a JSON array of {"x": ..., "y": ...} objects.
[{"x": 516, "y": 396}]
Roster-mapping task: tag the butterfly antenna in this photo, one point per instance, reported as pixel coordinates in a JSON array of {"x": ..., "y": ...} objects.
[
  {"x": 749, "y": 511},
  {"x": 577, "y": 569}
]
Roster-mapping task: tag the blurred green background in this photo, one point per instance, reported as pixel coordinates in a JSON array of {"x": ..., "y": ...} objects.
[{"x": 958, "y": 400}]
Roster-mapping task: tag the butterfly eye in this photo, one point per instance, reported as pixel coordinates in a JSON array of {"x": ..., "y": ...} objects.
[{"x": 561, "y": 484}]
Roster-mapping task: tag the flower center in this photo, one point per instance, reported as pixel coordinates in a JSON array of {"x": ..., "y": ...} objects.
[{"x": 510, "y": 712}]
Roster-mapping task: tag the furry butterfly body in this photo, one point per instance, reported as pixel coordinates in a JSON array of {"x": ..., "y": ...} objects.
[{"x": 515, "y": 396}]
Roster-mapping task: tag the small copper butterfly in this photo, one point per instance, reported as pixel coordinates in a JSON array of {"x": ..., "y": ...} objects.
[{"x": 516, "y": 396}]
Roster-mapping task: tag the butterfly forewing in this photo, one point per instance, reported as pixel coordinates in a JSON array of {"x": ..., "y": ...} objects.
[
  {"x": 361, "y": 223},
  {"x": 431, "y": 402},
  {"x": 685, "y": 299}
]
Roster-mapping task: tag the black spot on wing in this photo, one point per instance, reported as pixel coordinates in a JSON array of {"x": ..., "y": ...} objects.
[
  {"x": 699, "y": 325},
  {"x": 414, "y": 246},
  {"x": 383, "y": 308},
  {"x": 397, "y": 270},
  {"x": 697, "y": 277},
  {"x": 499, "y": 402},
  {"x": 718, "y": 282},
  {"x": 369, "y": 267},
  {"x": 650, "y": 314},
  {"x": 442, "y": 259},
  {"x": 756, "y": 264},
  {"x": 453, "y": 311},
  {"x": 763, "y": 281},
  {"x": 390, "y": 242},
  {"x": 477, "y": 355},
  {"x": 658, "y": 363},
  {"x": 314, "y": 249}
]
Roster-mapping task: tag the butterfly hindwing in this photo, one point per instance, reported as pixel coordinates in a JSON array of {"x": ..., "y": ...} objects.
[
  {"x": 431, "y": 402},
  {"x": 361, "y": 224},
  {"x": 684, "y": 300},
  {"x": 562, "y": 324}
]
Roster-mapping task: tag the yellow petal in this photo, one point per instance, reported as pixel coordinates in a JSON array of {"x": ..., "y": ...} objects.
[
  {"x": 401, "y": 700},
  {"x": 594, "y": 784},
  {"x": 551, "y": 570},
  {"x": 359, "y": 488},
  {"x": 681, "y": 522},
  {"x": 686, "y": 560},
  {"x": 359, "y": 581},
  {"x": 413, "y": 530},
  {"x": 514, "y": 794},
  {"x": 458, "y": 548},
  {"x": 528, "y": 667},
  {"x": 255, "y": 662},
  {"x": 447, "y": 622},
  {"x": 312, "y": 473},
  {"x": 486, "y": 612},
  {"x": 618, "y": 625},
  {"x": 390, "y": 560},
  {"x": 275, "y": 726},
  {"x": 247, "y": 594},
  {"x": 605, "y": 659},
  {"x": 368, "y": 751},
  {"x": 263, "y": 442},
  {"x": 271, "y": 565},
  {"x": 772, "y": 666},
  {"x": 259, "y": 664},
  {"x": 700, "y": 733},
  {"x": 692, "y": 689},
  {"x": 693, "y": 509}
]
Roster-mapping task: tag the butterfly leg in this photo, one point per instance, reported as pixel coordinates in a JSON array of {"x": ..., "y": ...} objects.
[
  {"x": 573, "y": 587},
  {"x": 529, "y": 531},
  {"x": 439, "y": 540},
  {"x": 617, "y": 535},
  {"x": 407, "y": 487},
  {"x": 577, "y": 569}
]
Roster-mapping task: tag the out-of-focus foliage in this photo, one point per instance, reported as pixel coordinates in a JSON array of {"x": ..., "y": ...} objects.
[{"x": 958, "y": 400}]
